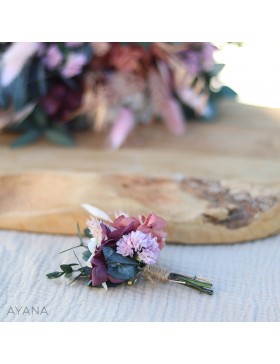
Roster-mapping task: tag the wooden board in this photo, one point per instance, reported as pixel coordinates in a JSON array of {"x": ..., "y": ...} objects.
[{"x": 218, "y": 183}]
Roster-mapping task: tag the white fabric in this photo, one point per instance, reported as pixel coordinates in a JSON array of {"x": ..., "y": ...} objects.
[{"x": 246, "y": 282}]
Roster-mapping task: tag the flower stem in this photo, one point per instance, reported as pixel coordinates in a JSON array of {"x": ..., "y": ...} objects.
[{"x": 199, "y": 284}]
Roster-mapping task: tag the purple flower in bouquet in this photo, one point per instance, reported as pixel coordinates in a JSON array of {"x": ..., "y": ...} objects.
[
  {"x": 207, "y": 56},
  {"x": 53, "y": 57},
  {"x": 73, "y": 44},
  {"x": 61, "y": 101},
  {"x": 144, "y": 245},
  {"x": 74, "y": 64},
  {"x": 99, "y": 272}
]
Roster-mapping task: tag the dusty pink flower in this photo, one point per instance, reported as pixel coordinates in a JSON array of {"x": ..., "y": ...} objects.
[
  {"x": 74, "y": 64},
  {"x": 123, "y": 125},
  {"x": 154, "y": 225},
  {"x": 173, "y": 116},
  {"x": 145, "y": 246},
  {"x": 123, "y": 221}
]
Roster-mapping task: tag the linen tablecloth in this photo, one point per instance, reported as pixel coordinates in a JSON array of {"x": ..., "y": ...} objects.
[{"x": 245, "y": 276}]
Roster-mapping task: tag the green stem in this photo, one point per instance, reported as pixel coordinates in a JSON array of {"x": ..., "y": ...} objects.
[{"x": 192, "y": 282}]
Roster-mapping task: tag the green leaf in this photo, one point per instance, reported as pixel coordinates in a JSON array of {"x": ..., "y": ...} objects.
[
  {"x": 60, "y": 136},
  {"x": 41, "y": 79},
  {"x": 86, "y": 255},
  {"x": 217, "y": 69},
  {"x": 226, "y": 91},
  {"x": 67, "y": 268},
  {"x": 19, "y": 90},
  {"x": 30, "y": 136},
  {"x": 85, "y": 271},
  {"x": 113, "y": 258},
  {"x": 107, "y": 252},
  {"x": 54, "y": 275},
  {"x": 87, "y": 233},
  {"x": 40, "y": 118},
  {"x": 124, "y": 272}
]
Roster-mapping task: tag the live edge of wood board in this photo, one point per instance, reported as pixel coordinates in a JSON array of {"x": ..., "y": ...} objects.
[{"x": 219, "y": 183}]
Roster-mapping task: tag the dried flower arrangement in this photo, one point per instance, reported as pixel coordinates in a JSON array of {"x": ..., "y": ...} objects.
[{"x": 52, "y": 89}]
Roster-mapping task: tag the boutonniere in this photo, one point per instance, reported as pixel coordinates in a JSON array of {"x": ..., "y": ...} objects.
[{"x": 119, "y": 250}]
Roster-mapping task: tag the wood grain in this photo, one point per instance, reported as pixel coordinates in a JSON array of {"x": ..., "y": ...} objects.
[{"x": 218, "y": 183}]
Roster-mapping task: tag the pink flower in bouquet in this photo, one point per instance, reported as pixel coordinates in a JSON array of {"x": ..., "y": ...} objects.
[
  {"x": 123, "y": 221},
  {"x": 144, "y": 245},
  {"x": 96, "y": 231},
  {"x": 123, "y": 125},
  {"x": 154, "y": 225},
  {"x": 128, "y": 58},
  {"x": 53, "y": 57},
  {"x": 74, "y": 65}
]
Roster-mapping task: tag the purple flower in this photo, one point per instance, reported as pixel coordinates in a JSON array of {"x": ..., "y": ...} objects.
[
  {"x": 144, "y": 245},
  {"x": 74, "y": 64},
  {"x": 53, "y": 57}
]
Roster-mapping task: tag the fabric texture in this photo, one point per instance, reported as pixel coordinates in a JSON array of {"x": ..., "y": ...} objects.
[{"x": 245, "y": 276}]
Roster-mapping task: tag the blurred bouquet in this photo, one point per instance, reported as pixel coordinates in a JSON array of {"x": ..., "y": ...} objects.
[{"x": 52, "y": 89}]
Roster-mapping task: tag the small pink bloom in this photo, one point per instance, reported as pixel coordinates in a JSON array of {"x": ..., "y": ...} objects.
[
  {"x": 53, "y": 57},
  {"x": 74, "y": 65},
  {"x": 173, "y": 116},
  {"x": 145, "y": 246},
  {"x": 154, "y": 225},
  {"x": 123, "y": 125}
]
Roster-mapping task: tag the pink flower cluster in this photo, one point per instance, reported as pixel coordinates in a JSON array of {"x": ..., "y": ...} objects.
[
  {"x": 140, "y": 238},
  {"x": 152, "y": 224},
  {"x": 145, "y": 240},
  {"x": 143, "y": 245}
]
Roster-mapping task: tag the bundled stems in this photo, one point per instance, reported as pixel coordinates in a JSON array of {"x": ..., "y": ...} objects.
[
  {"x": 199, "y": 284},
  {"x": 157, "y": 273}
]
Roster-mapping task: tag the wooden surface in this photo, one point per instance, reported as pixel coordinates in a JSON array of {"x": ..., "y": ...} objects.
[{"x": 218, "y": 183}]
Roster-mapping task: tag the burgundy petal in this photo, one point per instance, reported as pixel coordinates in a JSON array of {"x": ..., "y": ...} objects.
[
  {"x": 115, "y": 280},
  {"x": 118, "y": 233},
  {"x": 99, "y": 275}
]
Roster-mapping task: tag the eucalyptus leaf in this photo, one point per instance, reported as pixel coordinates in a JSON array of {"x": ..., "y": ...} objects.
[
  {"x": 226, "y": 91},
  {"x": 67, "y": 268},
  {"x": 124, "y": 272},
  {"x": 41, "y": 79},
  {"x": 30, "y": 136},
  {"x": 107, "y": 252},
  {"x": 87, "y": 233},
  {"x": 117, "y": 258},
  {"x": 86, "y": 255},
  {"x": 60, "y": 136},
  {"x": 54, "y": 275},
  {"x": 19, "y": 91},
  {"x": 40, "y": 118}
]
